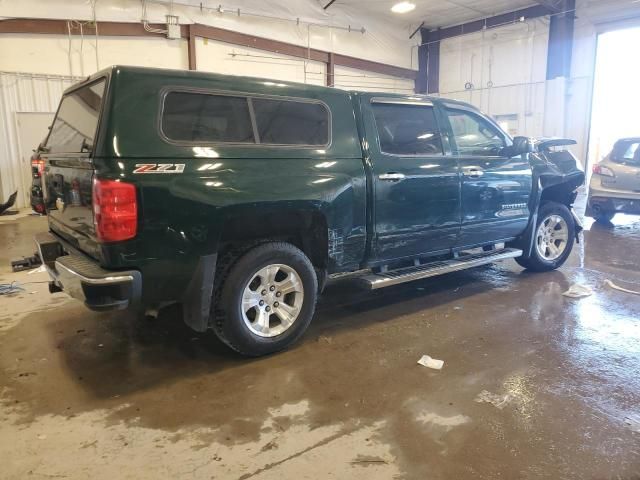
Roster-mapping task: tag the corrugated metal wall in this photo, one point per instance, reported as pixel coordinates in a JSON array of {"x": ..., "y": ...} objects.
[{"x": 22, "y": 93}]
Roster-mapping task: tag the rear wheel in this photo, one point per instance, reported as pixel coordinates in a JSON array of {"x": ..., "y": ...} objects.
[
  {"x": 267, "y": 300},
  {"x": 554, "y": 238}
]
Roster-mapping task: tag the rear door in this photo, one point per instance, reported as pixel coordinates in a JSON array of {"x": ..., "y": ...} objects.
[
  {"x": 68, "y": 172},
  {"x": 416, "y": 187},
  {"x": 495, "y": 189}
]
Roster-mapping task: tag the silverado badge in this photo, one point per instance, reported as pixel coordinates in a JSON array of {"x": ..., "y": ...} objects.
[{"x": 159, "y": 168}]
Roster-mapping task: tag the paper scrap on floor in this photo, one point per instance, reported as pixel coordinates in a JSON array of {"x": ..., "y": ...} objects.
[
  {"x": 498, "y": 401},
  {"x": 578, "y": 291},
  {"x": 427, "y": 361}
]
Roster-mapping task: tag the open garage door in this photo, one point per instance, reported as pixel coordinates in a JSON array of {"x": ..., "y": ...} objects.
[{"x": 616, "y": 98}]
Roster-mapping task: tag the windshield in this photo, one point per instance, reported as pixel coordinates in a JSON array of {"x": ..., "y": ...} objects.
[{"x": 74, "y": 128}]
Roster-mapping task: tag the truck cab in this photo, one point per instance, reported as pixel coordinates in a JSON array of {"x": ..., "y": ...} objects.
[{"x": 238, "y": 197}]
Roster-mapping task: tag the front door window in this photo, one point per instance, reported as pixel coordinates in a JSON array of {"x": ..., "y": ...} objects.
[{"x": 474, "y": 135}]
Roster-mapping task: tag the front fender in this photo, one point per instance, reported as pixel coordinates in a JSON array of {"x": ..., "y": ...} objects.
[{"x": 556, "y": 177}]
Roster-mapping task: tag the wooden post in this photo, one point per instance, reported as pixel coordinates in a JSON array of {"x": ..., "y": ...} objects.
[
  {"x": 192, "y": 49},
  {"x": 331, "y": 63}
]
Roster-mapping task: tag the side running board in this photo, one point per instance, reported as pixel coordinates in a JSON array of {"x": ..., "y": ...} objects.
[{"x": 374, "y": 281}]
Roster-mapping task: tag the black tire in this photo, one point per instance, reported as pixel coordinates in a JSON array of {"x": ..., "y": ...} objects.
[
  {"x": 538, "y": 263},
  {"x": 229, "y": 322},
  {"x": 604, "y": 217}
]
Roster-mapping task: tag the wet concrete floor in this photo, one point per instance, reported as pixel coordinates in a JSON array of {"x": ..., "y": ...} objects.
[{"x": 534, "y": 385}]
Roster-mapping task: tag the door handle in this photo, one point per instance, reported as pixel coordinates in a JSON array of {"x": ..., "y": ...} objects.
[
  {"x": 473, "y": 172},
  {"x": 392, "y": 177}
]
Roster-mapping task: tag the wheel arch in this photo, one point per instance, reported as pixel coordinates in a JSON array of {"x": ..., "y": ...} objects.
[
  {"x": 306, "y": 228},
  {"x": 549, "y": 188}
]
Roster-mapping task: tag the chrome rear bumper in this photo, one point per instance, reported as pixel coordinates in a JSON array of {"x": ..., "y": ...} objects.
[{"x": 83, "y": 278}]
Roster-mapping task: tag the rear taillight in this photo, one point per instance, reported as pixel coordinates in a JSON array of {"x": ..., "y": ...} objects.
[
  {"x": 115, "y": 210},
  {"x": 602, "y": 170},
  {"x": 37, "y": 167}
]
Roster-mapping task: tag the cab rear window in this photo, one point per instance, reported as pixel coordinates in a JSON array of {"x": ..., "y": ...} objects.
[{"x": 75, "y": 125}]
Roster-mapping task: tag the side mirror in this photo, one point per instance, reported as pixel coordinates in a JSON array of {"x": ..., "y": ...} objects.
[{"x": 521, "y": 146}]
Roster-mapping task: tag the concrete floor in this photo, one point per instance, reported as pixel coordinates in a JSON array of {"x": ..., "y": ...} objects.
[{"x": 107, "y": 396}]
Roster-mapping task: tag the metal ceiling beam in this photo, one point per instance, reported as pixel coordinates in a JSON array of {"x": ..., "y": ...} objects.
[{"x": 495, "y": 21}]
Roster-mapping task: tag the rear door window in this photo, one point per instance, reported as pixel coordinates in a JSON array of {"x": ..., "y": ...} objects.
[
  {"x": 405, "y": 129},
  {"x": 75, "y": 125},
  {"x": 206, "y": 118},
  {"x": 288, "y": 122}
]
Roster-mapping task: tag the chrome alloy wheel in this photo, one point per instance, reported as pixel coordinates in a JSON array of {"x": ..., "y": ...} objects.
[
  {"x": 552, "y": 237},
  {"x": 272, "y": 300}
]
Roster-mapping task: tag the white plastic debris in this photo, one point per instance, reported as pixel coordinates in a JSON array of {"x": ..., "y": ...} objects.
[
  {"x": 498, "y": 401},
  {"x": 40, "y": 269},
  {"x": 427, "y": 361},
  {"x": 578, "y": 291},
  {"x": 609, "y": 283}
]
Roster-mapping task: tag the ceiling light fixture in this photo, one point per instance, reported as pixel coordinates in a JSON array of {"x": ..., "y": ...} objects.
[{"x": 403, "y": 7}]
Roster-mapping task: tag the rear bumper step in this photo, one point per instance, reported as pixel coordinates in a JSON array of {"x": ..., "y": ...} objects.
[
  {"x": 83, "y": 278},
  {"x": 375, "y": 281}
]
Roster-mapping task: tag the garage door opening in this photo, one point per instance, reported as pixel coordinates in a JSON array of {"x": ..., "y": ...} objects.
[{"x": 616, "y": 99}]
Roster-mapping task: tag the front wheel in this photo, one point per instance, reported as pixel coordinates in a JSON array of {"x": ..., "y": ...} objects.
[
  {"x": 554, "y": 238},
  {"x": 267, "y": 300}
]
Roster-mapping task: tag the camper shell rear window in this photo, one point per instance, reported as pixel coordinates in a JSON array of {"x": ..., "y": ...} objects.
[{"x": 74, "y": 128}]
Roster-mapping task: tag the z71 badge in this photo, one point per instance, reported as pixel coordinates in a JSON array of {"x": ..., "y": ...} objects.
[{"x": 159, "y": 168}]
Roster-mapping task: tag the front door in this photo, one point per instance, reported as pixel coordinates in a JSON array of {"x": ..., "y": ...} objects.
[
  {"x": 416, "y": 187},
  {"x": 495, "y": 189}
]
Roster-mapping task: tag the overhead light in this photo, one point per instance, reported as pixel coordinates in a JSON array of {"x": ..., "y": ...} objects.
[{"x": 403, "y": 7}]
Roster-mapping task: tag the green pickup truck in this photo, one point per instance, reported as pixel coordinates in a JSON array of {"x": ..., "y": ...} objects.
[{"x": 239, "y": 197}]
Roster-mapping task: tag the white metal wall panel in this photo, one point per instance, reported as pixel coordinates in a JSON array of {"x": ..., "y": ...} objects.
[
  {"x": 353, "y": 79},
  {"x": 22, "y": 93},
  {"x": 219, "y": 57},
  {"x": 502, "y": 71}
]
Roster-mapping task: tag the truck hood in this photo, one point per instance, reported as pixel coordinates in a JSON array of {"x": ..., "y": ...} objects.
[{"x": 545, "y": 144}]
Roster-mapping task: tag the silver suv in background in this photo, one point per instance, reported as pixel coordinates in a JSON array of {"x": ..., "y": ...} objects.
[{"x": 615, "y": 183}]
